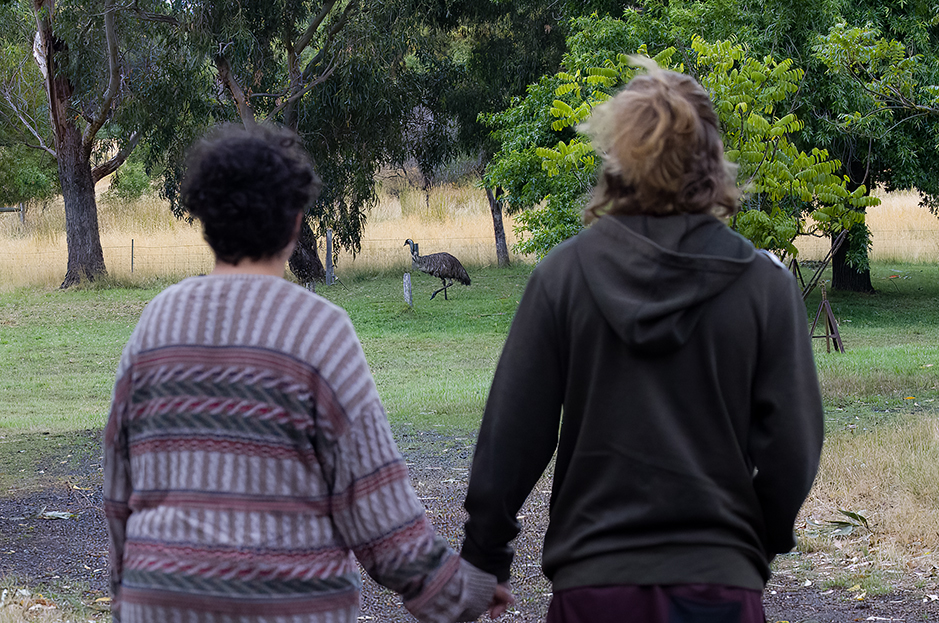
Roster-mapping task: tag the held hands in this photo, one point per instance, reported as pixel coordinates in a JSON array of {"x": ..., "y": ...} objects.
[{"x": 501, "y": 600}]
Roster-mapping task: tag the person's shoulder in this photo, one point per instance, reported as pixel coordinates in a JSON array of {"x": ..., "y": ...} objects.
[
  {"x": 769, "y": 267},
  {"x": 308, "y": 300},
  {"x": 561, "y": 257},
  {"x": 763, "y": 256}
]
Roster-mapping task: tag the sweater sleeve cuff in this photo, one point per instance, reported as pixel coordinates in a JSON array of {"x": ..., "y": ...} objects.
[
  {"x": 496, "y": 564},
  {"x": 464, "y": 597},
  {"x": 479, "y": 587}
]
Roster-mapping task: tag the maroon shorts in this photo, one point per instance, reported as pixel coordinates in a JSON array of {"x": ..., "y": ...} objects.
[{"x": 682, "y": 603}]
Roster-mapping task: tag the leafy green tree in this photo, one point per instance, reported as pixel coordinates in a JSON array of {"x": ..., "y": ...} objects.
[
  {"x": 85, "y": 100},
  {"x": 903, "y": 158},
  {"x": 894, "y": 88},
  {"x": 900, "y": 154},
  {"x": 346, "y": 75},
  {"x": 783, "y": 182}
]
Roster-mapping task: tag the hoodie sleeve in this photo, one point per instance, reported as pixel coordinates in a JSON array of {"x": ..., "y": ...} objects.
[
  {"x": 518, "y": 435},
  {"x": 787, "y": 428}
]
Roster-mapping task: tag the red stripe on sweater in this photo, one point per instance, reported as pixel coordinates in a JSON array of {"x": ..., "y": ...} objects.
[
  {"x": 222, "y": 446},
  {"x": 407, "y": 540},
  {"x": 206, "y": 356},
  {"x": 116, "y": 510},
  {"x": 365, "y": 486},
  {"x": 435, "y": 584}
]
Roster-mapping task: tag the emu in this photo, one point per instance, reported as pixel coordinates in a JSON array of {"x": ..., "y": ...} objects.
[{"x": 442, "y": 265}]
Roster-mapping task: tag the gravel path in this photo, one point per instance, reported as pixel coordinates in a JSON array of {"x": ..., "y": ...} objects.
[{"x": 70, "y": 554}]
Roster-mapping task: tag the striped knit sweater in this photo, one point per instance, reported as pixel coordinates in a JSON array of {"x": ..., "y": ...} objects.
[{"x": 248, "y": 463}]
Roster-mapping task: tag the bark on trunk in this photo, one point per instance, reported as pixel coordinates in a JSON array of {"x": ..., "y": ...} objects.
[
  {"x": 495, "y": 206},
  {"x": 85, "y": 257},
  {"x": 845, "y": 277},
  {"x": 305, "y": 262}
]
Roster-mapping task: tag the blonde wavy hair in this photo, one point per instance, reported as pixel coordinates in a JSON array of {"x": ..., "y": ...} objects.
[{"x": 662, "y": 151}]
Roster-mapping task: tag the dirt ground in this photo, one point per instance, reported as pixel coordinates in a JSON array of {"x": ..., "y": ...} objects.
[{"x": 53, "y": 537}]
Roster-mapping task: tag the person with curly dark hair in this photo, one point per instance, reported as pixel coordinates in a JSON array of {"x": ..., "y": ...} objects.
[
  {"x": 248, "y": 459},
  {"x": 247, "y": 189},
  {"x": 666, "y": 364}
]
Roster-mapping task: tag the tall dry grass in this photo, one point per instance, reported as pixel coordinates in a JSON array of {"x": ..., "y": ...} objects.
[
  {"x": 902, "y": 231},
  {"x": 453, "y": 218},
  {"x": 890, "y": 475}
]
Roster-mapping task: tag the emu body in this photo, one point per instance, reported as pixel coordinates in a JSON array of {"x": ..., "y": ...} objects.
[{"x": 441, "y": 265}]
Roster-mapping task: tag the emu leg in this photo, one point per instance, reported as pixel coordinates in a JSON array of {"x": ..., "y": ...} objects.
[
  {"x": 439, "y": 290},
  {"x": 444, "y": 289}
]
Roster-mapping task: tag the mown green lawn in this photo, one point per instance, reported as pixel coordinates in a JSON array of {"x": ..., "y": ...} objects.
[{"x": 433, "y": 362}]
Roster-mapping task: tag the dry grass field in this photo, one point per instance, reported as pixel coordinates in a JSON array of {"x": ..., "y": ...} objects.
[
  {"x": 890, "y": 476},
  {"x": 455, "y": 219},
  {"x": 902, "y": 231}
]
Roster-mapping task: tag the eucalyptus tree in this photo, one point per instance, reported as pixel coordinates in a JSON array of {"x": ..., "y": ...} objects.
[
  {"x": 343, "y": 74},
  {"x": 105, "y": 79}
]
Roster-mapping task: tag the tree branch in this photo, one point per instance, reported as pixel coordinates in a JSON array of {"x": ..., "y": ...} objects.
[
  {"x": 42, "y": 148},
  {"x": 29, "y": 126},
  {"x": 330, "y": 35},
  {"x": 319, "y": 80},
  {"x": 314, "y": 25},
  {"x": 225, "y": 75},
  {"x": 113, "y": 164},
  {"x": 114, "y": 78},
  {"x": 148, "y": 16}
]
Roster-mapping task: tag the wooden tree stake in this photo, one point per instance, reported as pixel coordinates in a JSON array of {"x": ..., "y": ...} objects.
[{"x": 831, "y": 326}]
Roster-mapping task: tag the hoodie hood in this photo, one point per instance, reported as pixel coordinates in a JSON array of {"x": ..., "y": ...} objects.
[{"x": 650, "y": 275}]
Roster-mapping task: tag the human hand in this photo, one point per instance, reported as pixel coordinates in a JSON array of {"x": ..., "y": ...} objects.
[{"x": 501, "y": 600}]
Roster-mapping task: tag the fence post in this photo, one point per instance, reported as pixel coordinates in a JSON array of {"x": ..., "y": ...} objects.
[
  {"x": 408, "y": 298},
  {"x": 22, "y": 213},
  {"x": 131, "y": 256},
  {"x": 330, "y": 276}
]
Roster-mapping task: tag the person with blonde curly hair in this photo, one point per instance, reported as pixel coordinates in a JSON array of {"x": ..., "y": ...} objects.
[{"x": 680, "y": 359}]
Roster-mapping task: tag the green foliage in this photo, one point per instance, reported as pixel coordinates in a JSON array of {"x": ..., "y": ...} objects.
[
  {"x": 130, "y": 182},
  {"x": 26, "y": 175},
  {"x": 894, "y": 90},
  {"x": 783, "y": 183}
]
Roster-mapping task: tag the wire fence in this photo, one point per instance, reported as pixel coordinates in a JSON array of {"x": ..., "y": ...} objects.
[{"x": 138, "y": 258}]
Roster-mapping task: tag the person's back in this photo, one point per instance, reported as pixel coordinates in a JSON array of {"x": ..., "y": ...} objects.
[
  {"x": 680, "y": 357},
  {"x": 248, "y": 459}
]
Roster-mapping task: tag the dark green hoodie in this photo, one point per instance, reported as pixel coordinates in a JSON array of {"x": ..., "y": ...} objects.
[{"x": 692, "y": 419}]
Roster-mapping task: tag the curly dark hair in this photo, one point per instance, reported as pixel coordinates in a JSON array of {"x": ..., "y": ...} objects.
[{"x": 247, "y": 187}]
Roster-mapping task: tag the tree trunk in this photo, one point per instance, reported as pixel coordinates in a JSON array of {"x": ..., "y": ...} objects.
[
  {"x": 305, "y": 262},
  {"x": 85, "y": 257},
  {"x": 495, "y": 206},
  {"x": 845, "y": 277}
]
